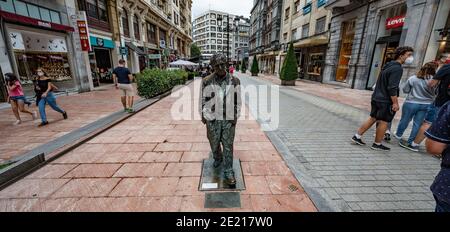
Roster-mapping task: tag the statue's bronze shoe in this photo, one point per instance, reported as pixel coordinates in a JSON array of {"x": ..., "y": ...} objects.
[
  {"x": 217, "y": 163},
  {"x": 230, "y": 179}
]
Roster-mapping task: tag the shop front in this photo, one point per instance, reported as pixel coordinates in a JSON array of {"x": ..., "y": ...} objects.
[
  {"x": 100, "y": 58},
  {"x": 33, "y": 44},
  {"x": 439, "y": 43},
  {"x": 388, "y": 39},
  {"x": 310, "y": 54},
  {"x": 154, "y": 58}
]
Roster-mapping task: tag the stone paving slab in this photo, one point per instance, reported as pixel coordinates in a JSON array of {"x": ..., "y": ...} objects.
[
  {"x": 315, "y": 133},
  {"x": 135, "y": 172},
  {"x": 82, "y": 109}
]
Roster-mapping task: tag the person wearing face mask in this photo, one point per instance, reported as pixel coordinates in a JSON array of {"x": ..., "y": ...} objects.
[
  {"x": 443, "y": 60},
  {"x": 384, "y": 102},
  {"x": 44, "y": 95}
]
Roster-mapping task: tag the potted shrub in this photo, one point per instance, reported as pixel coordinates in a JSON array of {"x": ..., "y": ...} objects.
[
  {"x": 243, "y": 68},
  {"x": 289, "y": 73},
  {"x": 255, "y": 69}
]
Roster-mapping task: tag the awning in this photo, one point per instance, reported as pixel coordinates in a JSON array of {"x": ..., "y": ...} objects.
[
  {"x": 10, "y": 17},
  {"x": 312, "y": 41},
  {"x": 388, "y": 39},
  {"x": 134, "y": 48}
]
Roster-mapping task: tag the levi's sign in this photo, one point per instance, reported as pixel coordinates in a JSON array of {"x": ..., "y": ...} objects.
[{"x": 395, "y": 22}]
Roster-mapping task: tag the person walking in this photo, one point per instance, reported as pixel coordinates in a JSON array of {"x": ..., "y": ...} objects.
[
  {"x": 17, "y": 98},
  {"x": 44, "y": 95},
  {"x": 442, "y": 81},
  {"x": 417, "y": 102},
  {"x": 231, "y": 69},
  {"x": 123, "y": 81},
  {"x": 437, "y": 143},
  {"x": 385, "y": 98}
]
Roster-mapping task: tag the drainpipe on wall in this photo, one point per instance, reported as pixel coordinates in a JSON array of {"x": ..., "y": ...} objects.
[{"x": 360, "y": 44}]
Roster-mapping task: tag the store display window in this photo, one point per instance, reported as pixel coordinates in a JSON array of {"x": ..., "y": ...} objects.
[
  {"x": 315, "y": 65},
  {"x": 347, "y": 37},
  {"x": 32, "y": 50}
]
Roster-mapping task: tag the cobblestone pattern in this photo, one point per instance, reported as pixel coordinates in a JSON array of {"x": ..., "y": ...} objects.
[{"x": 353, "y": 178}]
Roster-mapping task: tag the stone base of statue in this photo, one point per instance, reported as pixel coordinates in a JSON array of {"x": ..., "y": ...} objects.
[{"x": 213, "y": 179}]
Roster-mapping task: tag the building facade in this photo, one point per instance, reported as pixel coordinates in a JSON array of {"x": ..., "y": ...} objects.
[
  {"x": 242, "y": 40},
  {"x": 40, "y": 34},
  {"x": 154, "y": 32},
  {"x": 305, "y": 24},
  {"x": 364, "y": 35},
  {"x": 266, "y": 24},
  {"x": 211, "y": 36}
]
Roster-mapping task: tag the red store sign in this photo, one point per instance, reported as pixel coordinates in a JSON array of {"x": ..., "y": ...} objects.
[
  {"x": 395, "y": 22},
  {"x": 84, "y": 35}
]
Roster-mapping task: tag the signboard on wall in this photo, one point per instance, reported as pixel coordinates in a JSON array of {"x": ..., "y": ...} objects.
[
  {"x": 395, "y": 22},
  {"x": 83, "y": 31}
]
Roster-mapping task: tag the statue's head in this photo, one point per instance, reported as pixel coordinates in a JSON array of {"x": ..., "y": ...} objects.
[{"x": 219, "y": 63}]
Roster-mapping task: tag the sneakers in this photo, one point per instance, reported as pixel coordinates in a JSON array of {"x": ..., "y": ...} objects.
[
  {"x": 358, "y": 141},
  {"x": 130, "y": 110},
  {"x": 408, "y": 146},
  {"x": 43, "y": 123},
  {"x": 380, "y": 147},
  {"x": 387, "y": 137},
  {"x": 65, "y": 115},
  {"x": 17, "y": 122}
]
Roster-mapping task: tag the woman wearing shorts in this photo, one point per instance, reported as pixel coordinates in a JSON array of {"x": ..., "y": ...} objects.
[{"x": 17, "y": 98}]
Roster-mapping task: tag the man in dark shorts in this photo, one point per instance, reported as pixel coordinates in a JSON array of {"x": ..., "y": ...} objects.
[
  {"x": 438, "y": 143},
  {"x": 123, "y": 81},
  {"x": 385, "y": 98}
]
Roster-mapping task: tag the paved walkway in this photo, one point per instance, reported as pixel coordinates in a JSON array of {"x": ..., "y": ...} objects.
[
  {"x": 352, "y": 97},
  {"x": 336, "y": 174},
  {"x": 150, "y": 162},
  {"x": 82, "y": 109}
]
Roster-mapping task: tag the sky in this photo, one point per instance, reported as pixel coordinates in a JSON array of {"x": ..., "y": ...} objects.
[{"x": 236, "y": 7}]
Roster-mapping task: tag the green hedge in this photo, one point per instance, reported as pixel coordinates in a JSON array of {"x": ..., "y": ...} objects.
[
  {"x": 152, "y": 82},
  {"x": 191, "y": 75}
]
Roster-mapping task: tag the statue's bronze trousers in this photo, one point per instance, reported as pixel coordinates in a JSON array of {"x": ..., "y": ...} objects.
[{"x": 221, "y": 132}]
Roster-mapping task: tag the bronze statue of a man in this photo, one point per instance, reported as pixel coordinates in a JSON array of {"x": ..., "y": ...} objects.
[{"x": 220, "y": 108}]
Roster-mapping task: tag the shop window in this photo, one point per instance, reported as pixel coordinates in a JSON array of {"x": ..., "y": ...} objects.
[
  {"x": 305, "y": 30},
  {"x": 21, "y": 8},
  {"x": 45, "y": 14},
  {"x": 345, "y": 53},
  {"x": 137, "y": 35},
  {"x": 320, "y": 25},
  {"x": 315, "y": 65},
  {"x": 7, "y": 6},
  {"x": 55, "y": 17},
  {"x": 34, "y": 11},
  {"x": 32, "y": 50}
]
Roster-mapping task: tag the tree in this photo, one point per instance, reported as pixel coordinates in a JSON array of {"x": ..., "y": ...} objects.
[
  {"x": 255, "y": 69},
  {"x": 289, "y": 73},
  {"x": 243, "y": 68},
  {"x": 195, "y": 50}
]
